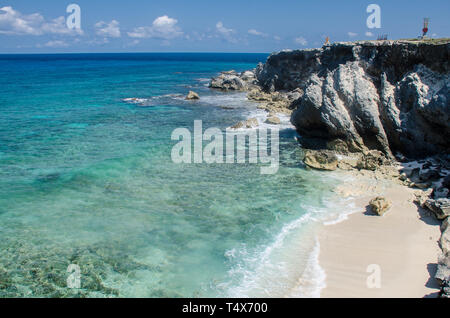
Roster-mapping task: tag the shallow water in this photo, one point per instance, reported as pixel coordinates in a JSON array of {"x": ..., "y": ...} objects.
[{"x": 87, "y": 179}]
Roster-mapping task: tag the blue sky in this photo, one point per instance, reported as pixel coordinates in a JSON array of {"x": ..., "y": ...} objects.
[{"x": 28, "y": 26}]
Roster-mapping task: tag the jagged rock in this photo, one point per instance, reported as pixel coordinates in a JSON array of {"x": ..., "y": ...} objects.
[
  {"x": 439, "y": 207},
  {"x": 440, "y": 192},
  {"x": 420, "y": 185},
  {"x": 443, "y": 269},
  {"x": 338, "y": 145},
  {"x": 444, "y": 241},
  {"x": 322, "y": 160},
  {"x": 445, "y": 224},
  {"x": 390, "y": 96},
  {"x": 274, "y": 120},
  {"x": 371, "y": 160},
  {"x": 446, "y": 182},
  {"x": 227, "y": 81},
  {"x": 248, "y": 76},
  {"x": 249, "y": 123},
  {"x": 258, "y": 95},
  {"x": 295, "y": 94},
  {"x": 192, "y": 95},
  {"x": 422, "y": 196},
  {"x": 429, "y": 175},
  {"x": 380, "y": 205}
]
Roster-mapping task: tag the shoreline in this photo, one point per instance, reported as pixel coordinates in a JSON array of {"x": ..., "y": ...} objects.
[{"x": 403, "y": 242}]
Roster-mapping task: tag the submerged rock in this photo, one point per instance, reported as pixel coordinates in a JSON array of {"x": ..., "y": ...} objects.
[{"x": 380, "y": 205}]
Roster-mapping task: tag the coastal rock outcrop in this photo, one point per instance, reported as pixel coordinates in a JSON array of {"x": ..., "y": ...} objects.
[
  {"x": 232, "y": 80},
  {"x": 322, "y": 160},
  {"x": 391, "y": 96},
  {"x": 440, "y": 207}
]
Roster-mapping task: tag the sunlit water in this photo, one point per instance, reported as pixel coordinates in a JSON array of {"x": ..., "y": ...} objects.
[{"x": 87, "y": 179}]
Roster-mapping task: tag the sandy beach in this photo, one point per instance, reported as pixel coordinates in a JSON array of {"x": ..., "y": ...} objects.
[{"x": 402, "y": 245}]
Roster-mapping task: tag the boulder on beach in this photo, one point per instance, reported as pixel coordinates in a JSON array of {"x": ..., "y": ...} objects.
[
  {"x": 192, "y": 96},
  {"x": 440, "y": 207},
  {"x": 380, "y": 205}
]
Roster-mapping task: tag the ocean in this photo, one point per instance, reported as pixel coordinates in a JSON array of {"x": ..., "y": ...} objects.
[{"x": 86, "y": 178}]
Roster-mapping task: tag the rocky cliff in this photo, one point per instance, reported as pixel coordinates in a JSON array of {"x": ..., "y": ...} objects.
[{"x": 392, "y": 96}]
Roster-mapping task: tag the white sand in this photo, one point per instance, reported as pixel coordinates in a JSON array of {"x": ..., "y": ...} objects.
[{"x": 403, "y": 243}]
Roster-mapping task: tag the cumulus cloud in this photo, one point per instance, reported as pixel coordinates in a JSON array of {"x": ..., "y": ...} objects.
[
  {"x": 13, "y": 22},
  {"x": 368, "y": 33},
  {"x": 163, "y": 27},
  {"x": 225, "y": 33},
  {"x": 110, "y": 29},
  {"x": 352, "y": 34},
  {"x": 301, "y": 40},
  {"x": 256, "y": 33}
]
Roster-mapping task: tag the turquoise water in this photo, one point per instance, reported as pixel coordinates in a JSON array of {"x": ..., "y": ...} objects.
[{"x": 87, "y": 179}]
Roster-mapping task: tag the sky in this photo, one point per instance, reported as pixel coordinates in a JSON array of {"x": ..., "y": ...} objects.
[{"x": 28, "y": 26}]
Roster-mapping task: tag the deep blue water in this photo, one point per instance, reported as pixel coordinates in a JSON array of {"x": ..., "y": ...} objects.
[{"x": 87, "y": 179}]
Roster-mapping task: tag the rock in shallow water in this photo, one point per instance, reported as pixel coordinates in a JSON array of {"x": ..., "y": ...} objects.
[{"x": 192, "y": 96}]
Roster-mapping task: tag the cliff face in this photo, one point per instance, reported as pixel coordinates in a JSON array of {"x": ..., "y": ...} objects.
[{"x": 390, "y": 96}]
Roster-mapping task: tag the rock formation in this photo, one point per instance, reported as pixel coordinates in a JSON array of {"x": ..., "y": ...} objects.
[
  {"x": 380, "y": 205},
  {"x": 192, "y": 96},
  {"x": 391, "y": 96}
]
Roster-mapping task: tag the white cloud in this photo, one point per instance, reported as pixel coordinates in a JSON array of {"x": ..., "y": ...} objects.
[
  {"x": 368, "y": 33},
  {"x": 225, "y": 33},
  {"x": 54, "y": 44},
  {"x": 257, "y": 33},
  {"x": 277, "y": 38},
  {"x": 352, "y": 34},
  {"x": 301, "y": 40},
  {"x": 110, "y": 29},
  {"x": 13, "y": 22},
  {"x": 162, "y": 28}
]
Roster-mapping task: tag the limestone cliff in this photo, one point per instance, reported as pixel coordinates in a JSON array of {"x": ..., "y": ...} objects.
[{"x": 392, "y": 96}]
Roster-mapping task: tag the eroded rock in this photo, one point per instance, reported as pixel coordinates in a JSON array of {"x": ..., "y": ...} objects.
[
  {"x": 380, "y": 205},
  {"x": 322, "y": 160}
]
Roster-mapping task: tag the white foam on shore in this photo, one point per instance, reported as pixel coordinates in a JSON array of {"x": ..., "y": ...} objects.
[
  {"x": 313, "y": 279},
  {"x": 263, "y": 273}
]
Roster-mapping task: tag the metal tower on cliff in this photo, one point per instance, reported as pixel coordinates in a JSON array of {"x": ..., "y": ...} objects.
[{"x": 425, "y": 26}]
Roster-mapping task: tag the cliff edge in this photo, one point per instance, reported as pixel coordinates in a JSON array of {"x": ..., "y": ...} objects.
[{"x": 391, "y": 96}]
